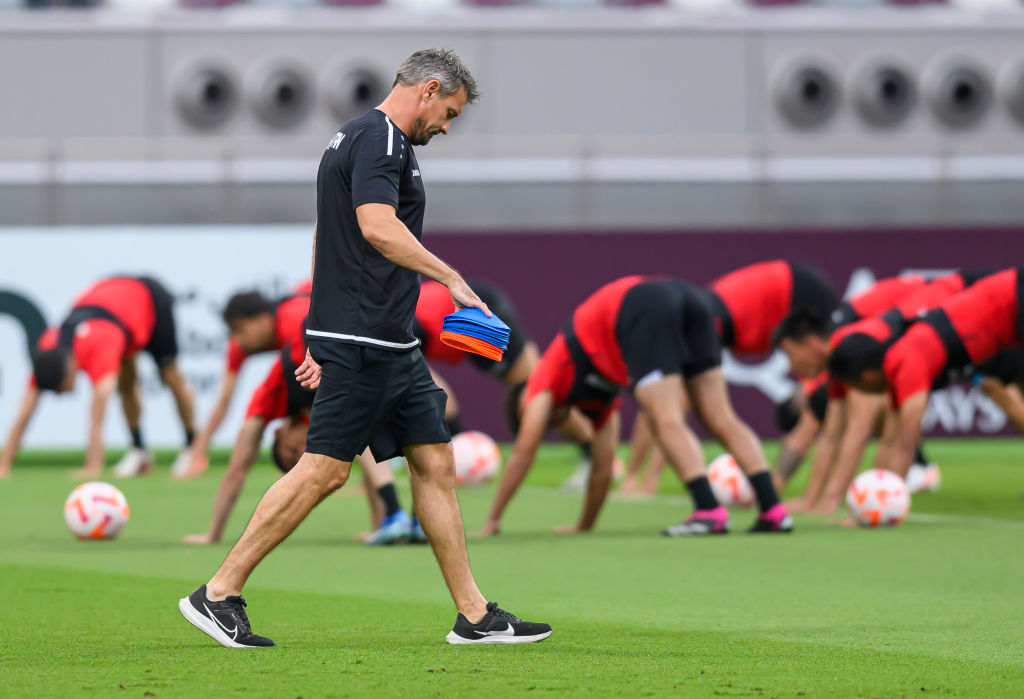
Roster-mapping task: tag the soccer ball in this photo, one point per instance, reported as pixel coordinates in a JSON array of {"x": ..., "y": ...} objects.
[
  {"x": 878, "y": 498},
  {"x": 729, "y": 483},
  {"x": 477, "y": 458},
  {"x": 96, "y": 511}
]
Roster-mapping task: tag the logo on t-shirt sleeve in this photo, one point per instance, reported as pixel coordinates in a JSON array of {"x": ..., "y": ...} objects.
[{"x": 336, "y": 141}]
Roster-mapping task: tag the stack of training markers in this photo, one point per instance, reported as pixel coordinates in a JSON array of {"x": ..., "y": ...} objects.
[{"x": 470, "y": 330}]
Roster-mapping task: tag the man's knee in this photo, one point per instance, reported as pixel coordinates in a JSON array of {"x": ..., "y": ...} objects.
[
  {"x": 324, "y": 473},
  {"x": 432, "y": 460}
]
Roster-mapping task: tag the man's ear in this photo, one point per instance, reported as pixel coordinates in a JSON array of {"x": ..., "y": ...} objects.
[{"x": 431, "y": 88}]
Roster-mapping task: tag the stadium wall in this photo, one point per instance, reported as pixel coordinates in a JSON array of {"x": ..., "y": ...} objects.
[
  {"x": 591, "y": 119},
  {"x": 546, "y": 273}
]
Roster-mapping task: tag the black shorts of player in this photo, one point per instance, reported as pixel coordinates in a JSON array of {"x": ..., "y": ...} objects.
[
  {"x": 812, "y": 292},
  {"x": 373, "y": 397},
  {"x": 502, "y": 307},
  {"x": 163, "y": 344},
  {"x": 666, "y": 327}
]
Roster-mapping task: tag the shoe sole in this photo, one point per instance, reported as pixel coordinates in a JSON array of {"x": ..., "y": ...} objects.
[
  {"x": 457, "y": 640},
  {"x": 206, "y": 625}
]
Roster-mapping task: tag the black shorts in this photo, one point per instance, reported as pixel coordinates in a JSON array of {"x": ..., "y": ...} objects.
[
  {"x": 667, "y": 327},
  {"x": 373, "y": 397},
  {"x": 812, "y": 291},
  {"x": 502, "y": 307},
  {"x": 163, "y": 344}
]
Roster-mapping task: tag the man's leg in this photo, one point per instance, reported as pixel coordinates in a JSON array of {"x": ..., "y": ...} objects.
[
  {"x": 282, "y": 508},
  {"x": 137, "y": 459},
  {"x": 710, "y": 398},
  {"x": 432, "y": 471},
  {"x": 183, "y": 398},
  {"x": 663, "y": 401}
]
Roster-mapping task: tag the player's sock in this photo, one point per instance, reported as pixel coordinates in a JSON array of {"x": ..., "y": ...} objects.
[
  {"x": 190, "y": 436},
  {"x": 390, "y": 497},
  {"x": 764, "y": 490},
  {"x": 919, "y": 457},
  {"x": 137, "y": 439},
  {"x": 700, "y": 491},
  {"x": 455, "y": 425}
]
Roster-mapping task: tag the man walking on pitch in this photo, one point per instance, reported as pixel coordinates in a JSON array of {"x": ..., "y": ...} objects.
[{"x": 373, "y": 385}]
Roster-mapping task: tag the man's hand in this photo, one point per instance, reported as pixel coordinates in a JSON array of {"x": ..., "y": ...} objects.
[
  {"x": 464, "y": 297},
  {"x": 570, "y": 529},
  {"x": 799, "y": 504},
  {"x": 86, "y": 473},
  {"x": 308, "y": 373},
  {"x": 200, "y": 539},
  {"x": 827, "y": 505},
  {"x": 198, "y": 463},
  {"x": 490, "y": 528}
]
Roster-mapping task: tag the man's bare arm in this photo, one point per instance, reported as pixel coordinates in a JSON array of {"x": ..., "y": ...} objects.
[
  {"x": 28, "y": 407},
  {"x": 795, "y": 446},
  {"x": 824, "y": 455},
  {"x": 1008, "y": 397},
  {"x": 908, "y": 434},
  {"x": 531, "y": 432},
  {"x": 247, "y": 448},
  {"x": 389, "y": 236},
  {"x": 861, "y": 409},
  {"x": 602, "y": 456}
]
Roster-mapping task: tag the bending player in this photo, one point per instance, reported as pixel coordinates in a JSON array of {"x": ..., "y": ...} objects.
[
  {"x": 804, "y": 338},
  {"x": 256, "y": 324},
  {"x": 280, "y": 396},
  {"x": 849, "y": 419},
  {"x": 750, "y": 302},
  {"x": 109, "y": 323},
  {"x": 873, "y": 357},
  {"x": 515, "y": 367},
  {"x": 658, "y": 337}
]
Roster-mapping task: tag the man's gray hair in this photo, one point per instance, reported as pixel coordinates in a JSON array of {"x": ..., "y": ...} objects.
[{"x": 442, "y": 65}]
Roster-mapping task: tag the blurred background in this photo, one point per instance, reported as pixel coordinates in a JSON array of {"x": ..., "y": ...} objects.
[{"x": 682, "y": 137}]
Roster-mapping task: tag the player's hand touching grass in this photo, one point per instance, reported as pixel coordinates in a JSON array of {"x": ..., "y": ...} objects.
[
  {"x": 308, "y": 373},
  {"x": 200, "y": 539}
]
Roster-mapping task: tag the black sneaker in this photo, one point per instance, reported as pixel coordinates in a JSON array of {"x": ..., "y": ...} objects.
[
  {"x": 225, "y": 622},
  {"x": 497, "y": 626}
]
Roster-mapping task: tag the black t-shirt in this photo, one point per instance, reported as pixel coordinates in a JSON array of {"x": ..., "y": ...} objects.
[{"x": 359, "y": 296}]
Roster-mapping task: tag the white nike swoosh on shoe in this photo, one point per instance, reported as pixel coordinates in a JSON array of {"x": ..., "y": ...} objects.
[
  {"x": 226, "y": 629},
  {"x": 504, "y": 632}
]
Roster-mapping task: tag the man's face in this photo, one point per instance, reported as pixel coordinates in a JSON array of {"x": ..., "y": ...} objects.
[
  {"x": 291, "y": 442},
  {"x": 435, "y": 113},
  {"x": 807, "y": 357},
  {"x": 255, "y": 334},
  {"x": 871, "y": 381}
]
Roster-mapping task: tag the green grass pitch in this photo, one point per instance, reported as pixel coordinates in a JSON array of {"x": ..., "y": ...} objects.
[{"x": 933, "y": 607}]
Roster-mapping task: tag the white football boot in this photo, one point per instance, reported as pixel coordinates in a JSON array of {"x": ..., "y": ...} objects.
[
  {"x": 181, "y": 463},
  {"x": 135, "y": 462},
  {"x": 922, "y": 478}
]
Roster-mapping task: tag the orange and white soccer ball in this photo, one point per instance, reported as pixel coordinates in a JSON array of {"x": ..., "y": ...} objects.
[
  {"x": 728, "y": 482},
  {"x": 96, "y": 511},
  {"x": 878, "y": 498},
  {"x": 477, "y": 458}
]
